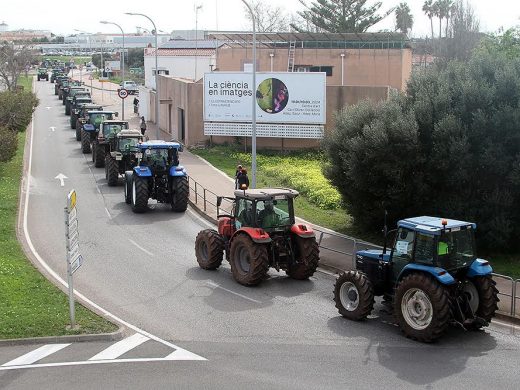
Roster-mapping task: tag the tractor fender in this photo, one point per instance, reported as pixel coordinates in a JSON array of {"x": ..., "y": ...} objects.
[
  {"x": 479, "y": 267},
  {"x": 302, "y": 230},
  {"x": 260, "y": 236},
  {"x": 89, "y": 127},
  {"x": 438, "y": 273},
  {"x": 226, "y": 227},
  {"x": 142, "y": 171},
  {"x": 177, "y": 171}
]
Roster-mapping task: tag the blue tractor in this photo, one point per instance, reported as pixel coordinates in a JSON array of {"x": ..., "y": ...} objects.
[
  {"x": 158, "y": 176},
  {"x": 431, "y": 276}
]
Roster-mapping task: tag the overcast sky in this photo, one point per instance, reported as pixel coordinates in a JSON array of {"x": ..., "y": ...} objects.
[{"x": 224, "y": 14}]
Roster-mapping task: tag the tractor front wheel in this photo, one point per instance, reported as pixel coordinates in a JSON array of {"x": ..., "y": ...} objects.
[
  {"x": 354, "y": 295},
  {"x": 307, "y": 256},
  {"x": 139, "y": 194},
  {"x": 209, "y": 249},
  {"x": 111, "y": 170},
  {"x": 422, "y": 307},
  {"x": 85, "y": 142},
  {"x": 180, "y": 193},
  {"x": 99, "y": 156},
  {"x": 67, "y": 109},
  {"x": 128, "y": 187},
  {"x": 249, "y": 261}
]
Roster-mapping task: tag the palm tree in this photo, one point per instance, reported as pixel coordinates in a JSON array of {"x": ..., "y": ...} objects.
[
  {"x": 428, "y": 10},
  {"x": 438, "y": 11},
  {"x": 403, "y": 18},
  {"x": 450, "y": 9}
]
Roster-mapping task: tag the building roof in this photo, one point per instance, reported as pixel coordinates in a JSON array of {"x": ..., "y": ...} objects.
[
  {"x": 180, "y": 52},
  {"x": 191, "y": 44},
  {"x": 316, "y": 40}
]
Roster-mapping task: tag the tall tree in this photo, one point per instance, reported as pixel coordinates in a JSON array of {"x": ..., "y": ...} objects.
[
  {"x": 341, "y": 16},
  {"x": 12, "y": 63},
  {"x": 429, "y": 11},
  {"x": 464, "y": 31},
  {"x": 449, "y": 9},
  {"x": 268, "y": 18},
  {"x": 438, "y": 11},
  {"x": 403, "y": 18}
]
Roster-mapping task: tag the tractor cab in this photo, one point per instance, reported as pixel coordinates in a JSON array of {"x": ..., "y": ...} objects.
[
  {"x": 159, "y": 155},
  {"x": 110, "y": 128},
  {"x": 95, "y": 118},
  {"x": 127, "y": 141}
]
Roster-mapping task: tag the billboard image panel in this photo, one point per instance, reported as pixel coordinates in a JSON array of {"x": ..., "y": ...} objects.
[{"x": 280, "y": 97}]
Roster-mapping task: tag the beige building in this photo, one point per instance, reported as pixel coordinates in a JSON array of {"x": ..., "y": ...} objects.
[{"x": 357, "y": 67}]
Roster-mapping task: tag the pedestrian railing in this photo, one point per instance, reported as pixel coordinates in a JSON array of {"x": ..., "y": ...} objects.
[{"x": 205, "y": 197}]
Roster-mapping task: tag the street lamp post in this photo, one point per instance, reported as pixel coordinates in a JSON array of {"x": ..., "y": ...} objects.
[
  {"x": 197, "y": 8},
  {"x": 122, "y": 59},
  {"x": 253, "y": 105},
  {"x": 156, "y": 72}
]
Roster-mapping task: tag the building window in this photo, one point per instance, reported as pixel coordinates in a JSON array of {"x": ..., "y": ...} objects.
[
  {"x": 302, "y": 68},
  {"x": 165, "y": 72},
  {"x": 326, "y": 69}
]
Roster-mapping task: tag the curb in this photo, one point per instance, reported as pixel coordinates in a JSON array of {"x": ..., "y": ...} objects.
[
  {"x": 201, "y": 213},
  {"x": 507, "y": 318},
  {"x": 114, "y": 336}
]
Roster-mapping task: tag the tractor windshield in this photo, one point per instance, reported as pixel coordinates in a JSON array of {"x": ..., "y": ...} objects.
[
  {"x": 157, "y": 158},
  {"x": 111, "y": 129},
  {"x": 127, "y": 144},
  {"x": 97, "y": 118},
  {"x": 456, "y": 249},
  {"x": 273, "y": 213}
]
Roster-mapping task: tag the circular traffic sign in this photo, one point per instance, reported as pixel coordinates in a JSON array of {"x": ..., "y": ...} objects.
[{"x": 122, "y": 93}]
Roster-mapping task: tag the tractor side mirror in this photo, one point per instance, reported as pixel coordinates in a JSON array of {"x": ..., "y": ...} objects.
[{"x": 219, "y": 201}]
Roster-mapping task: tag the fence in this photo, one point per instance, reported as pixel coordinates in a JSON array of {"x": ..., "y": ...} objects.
[{"x": 336, "y": 249}]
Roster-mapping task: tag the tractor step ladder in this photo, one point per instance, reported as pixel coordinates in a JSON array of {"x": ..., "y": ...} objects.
[{"x": 290, "y": 57}]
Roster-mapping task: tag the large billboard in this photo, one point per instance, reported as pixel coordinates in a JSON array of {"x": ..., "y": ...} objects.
[{"x": 290, "y": 97}]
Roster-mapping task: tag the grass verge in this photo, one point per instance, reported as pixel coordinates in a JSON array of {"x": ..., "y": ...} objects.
[
  {"x": 30, "y": 306},
  {"x": 25, "y": 82}
]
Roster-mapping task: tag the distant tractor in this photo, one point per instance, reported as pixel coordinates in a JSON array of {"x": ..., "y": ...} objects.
[
  {"x": 43, "y": 74},
  {"x": 260, "y": 232},
  {"x": 123, "y": 154},
  {"x": 83, "y": 117},
  {"x": 158, "y": 175},
  {"x": 90, "y": 127},
  {"x": 105, "y": 137},
  {"x": 75, "y": 108},
  {"x": 432, "y": 275},
  {"x": 58, "y": 82},
  {"x": 73, "y": 95}
]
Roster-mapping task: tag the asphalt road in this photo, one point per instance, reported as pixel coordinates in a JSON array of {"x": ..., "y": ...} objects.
[{"x": 284, "y": 334}]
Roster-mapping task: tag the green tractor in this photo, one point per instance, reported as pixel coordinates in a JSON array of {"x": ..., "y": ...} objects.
[
  {"x": 43, "y": 74},
  {"x": 58, "y": 83},
  {"x": 431, "y": 276},
  {"x": 55, "y": 73},
  {"x": 90, "y": 127},
  {"x": 73, "y": 95},
  {"x": 123, "y": 155},
  {"x": 106, "y": 135},
  {"x": 75, "y": 108},
  {"x": 83, "y": 117}
]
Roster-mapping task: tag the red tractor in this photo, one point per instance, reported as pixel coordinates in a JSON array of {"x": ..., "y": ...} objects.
[{"x": 260, "y": 232}]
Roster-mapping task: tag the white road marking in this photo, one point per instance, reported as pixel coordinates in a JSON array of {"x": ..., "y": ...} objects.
[
  {"x": 61, "y": 177},
  {"x": 121, "y": 347},
  {"x": 179, "y": 354},
  {"x": 140, "y": 247},
  {"x": 232, "y": 292},
  {"x": 35, "y": 355},
  {"x": 52, "y": 128},
  {"x": 108, "y": 213},
  {"x": 48, "y": 108}
]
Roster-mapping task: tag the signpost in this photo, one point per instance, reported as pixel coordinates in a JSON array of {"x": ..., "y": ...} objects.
[{"x": 74, "y": 258}]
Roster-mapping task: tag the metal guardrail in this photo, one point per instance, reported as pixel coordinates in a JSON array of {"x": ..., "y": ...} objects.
[{"x": 206, "y": 197}]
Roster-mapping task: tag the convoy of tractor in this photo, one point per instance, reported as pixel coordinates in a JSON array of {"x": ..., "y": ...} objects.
[{"x": 429, "y": 276}]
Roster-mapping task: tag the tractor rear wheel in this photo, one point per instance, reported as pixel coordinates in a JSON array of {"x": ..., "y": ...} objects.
[
  {"x": 78, "y": 132},
  {"x": 73, "y": 121},
  {"x": 55, "y": 90},
  {"x": 354, "y": 295},
  {"x": 85, "y": 142},
  {"x": 67, "y": 109},
  {"x": 487, "y": 297},
  {"x": 307, "y": 256},
  {"x": 128, "y": 187},
  {"x": 139, "y": 194},
  {"x": 422, "y": 307},
  {"x": 249, "y": 261},
  {"x": 99, "y": 156},
  {"x": 111, "y": 170},
  {"x": 209, "y": 249},
  {"x": 180, "y": 192}
]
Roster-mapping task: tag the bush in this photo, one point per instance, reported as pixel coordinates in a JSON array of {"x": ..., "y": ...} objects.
[
  {"x": 8, "y": 145},
  {"x": 450, "y": 147},
  {"x": 16, "y": 109}
]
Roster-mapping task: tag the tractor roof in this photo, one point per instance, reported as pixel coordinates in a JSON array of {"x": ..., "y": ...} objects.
[
  {"x": 433, "y": 225},
  {"x": 266, "y": 193},
  {"x": 131, "y": 133},
  {"x": 114, "y": 121},
  {"x": 100, "y": 112},
  {"x": 159, "y": 144}
]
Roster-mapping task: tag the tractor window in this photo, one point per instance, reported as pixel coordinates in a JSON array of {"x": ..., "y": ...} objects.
[
  {"x": 157, "y": 158},
  {"x": 97, "y": 119},
  {"x": 424, "y": 249},
  {"x": 456, "y": 249},
  {"x": 128, "y": 143},
  {"x": 110, "y": 129},
  {"x": 244, "y": 213},
  {"x": 404, "y": 242},
  {"x": 273, "y": 213}
]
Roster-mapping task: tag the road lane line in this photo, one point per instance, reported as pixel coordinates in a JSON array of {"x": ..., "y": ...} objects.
[
  {"x": 121, "y": 347},
  {"x": 35, "y": 355},
  {"x": 140, "y": 247},
  {"x": 232, "y": 292},
  {"x": 186, "y": 354},
  {"x": 108, "y": 213}
]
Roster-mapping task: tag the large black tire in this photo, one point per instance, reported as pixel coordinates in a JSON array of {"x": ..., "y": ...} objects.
[
  {"x": 488, "y": 297},
  {"x": 67, "y": 109},
  {"x": 128, "y": 187},
  {"x": 72, "y": 121},
  {"x": 111, "y": 170},
  {"x": 307, "y": 255},
  {"x": 38, "y": 77},
  {"x": 99, "y": 156},
  {"x": 78, "y": 132},
  {"x": 56, "y": 89},
  {"x": 85, "y": 142},
  {"x": 180, "y": 193},
  {"x": 249, "y": 261},
  {"x": 354, "y": 295},
  {"x": 60, "y": 95},
  {"x": 422, "y": 307},
  {"x": 209, "y": 249},
  {"x": 139, "y": 194}
]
